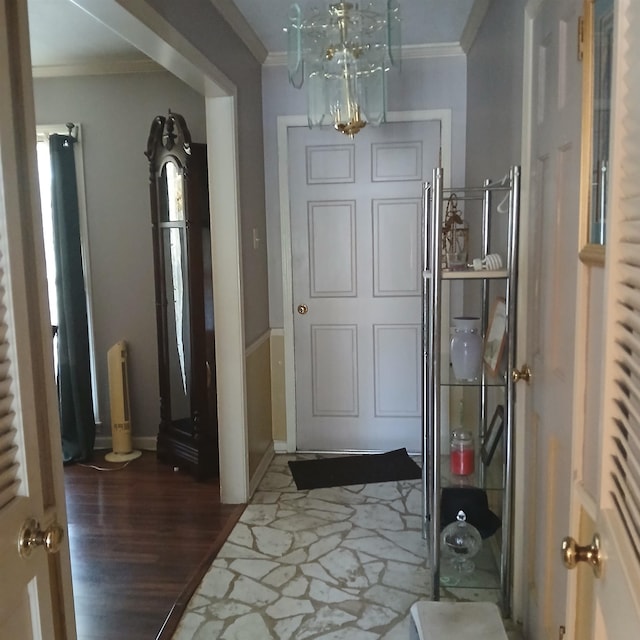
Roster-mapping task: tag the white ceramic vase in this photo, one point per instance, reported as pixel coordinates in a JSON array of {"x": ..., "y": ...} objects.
[{"x": 466, "y": 348}]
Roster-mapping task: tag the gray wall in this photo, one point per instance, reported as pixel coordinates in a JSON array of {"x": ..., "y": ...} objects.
[
  {"x": 115, "y": 113},
  {"x": 433, "y": 83},
  {"x": 494, "y": 92},
  {"x": 494, "y": 116},
  {"x": 200, "y": 23}
]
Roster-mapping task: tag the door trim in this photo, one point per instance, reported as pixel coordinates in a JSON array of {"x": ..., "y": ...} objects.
[
  {"x": 284, "y": 123},
  {"x": 519, "y": 590}
]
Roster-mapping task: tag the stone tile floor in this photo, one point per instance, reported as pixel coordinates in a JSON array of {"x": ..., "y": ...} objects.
[{"x": 344, "y": 563}]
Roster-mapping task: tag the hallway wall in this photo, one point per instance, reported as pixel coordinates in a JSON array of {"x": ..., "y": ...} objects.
[
  {"x": 430, "y": 83},
  {"x": 205, "y": 28},
  {"x": 494, "y": 95}
]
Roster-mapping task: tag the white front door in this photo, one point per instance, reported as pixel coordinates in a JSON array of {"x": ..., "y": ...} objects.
[
  {"x": 550, "y": 242},
  {"x": 35, "y": 591},
  {"x": 356, "y": 209}
]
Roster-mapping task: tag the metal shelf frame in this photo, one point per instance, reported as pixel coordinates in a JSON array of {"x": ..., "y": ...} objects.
[{"x": 433, "y": 277}]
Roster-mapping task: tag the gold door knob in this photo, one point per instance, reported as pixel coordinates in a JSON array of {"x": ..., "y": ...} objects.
[
  {"x": 524, "y": 373},
  {"x": 32, "y": 536},
  {"x": 302, "y": 309},
  {"x": 572, "y": 553}
]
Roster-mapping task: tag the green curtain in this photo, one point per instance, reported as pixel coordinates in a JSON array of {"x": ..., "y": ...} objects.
[{"x": 74, "y": 374}]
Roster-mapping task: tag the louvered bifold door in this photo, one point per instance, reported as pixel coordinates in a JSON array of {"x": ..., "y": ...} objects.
[
  {"x": 623, "y": 477},
  {"x": 624, "y": 472},
  {"x": 620, "y": 494},
  {"x": 8, "y": 449}
]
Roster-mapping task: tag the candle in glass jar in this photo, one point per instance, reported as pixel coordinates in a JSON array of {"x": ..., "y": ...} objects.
[{"x": 462, "y": 454}]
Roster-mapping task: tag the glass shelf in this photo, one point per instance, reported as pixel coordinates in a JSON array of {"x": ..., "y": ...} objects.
[
  {"x": 470, "y": 274},
  {"x": 447, "y": 379},
  {"x": 493, "y": 477}
]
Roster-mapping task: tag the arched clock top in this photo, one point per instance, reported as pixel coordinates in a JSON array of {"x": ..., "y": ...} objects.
[{"x": 169, "y": 141}]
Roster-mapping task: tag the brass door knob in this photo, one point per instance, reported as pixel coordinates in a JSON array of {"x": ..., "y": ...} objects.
[
  {"x": 572, "y": 553},
  {"x": 302, "y": 309},
  {"x": 524, "y": 373},
  {"x": 32, "y": 536}
]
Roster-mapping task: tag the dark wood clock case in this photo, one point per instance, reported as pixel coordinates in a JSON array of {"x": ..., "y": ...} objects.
[{"x": 188, "y": 431}]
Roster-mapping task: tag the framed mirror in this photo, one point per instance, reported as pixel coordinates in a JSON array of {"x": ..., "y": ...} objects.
[{"x": 597, "y": 51}]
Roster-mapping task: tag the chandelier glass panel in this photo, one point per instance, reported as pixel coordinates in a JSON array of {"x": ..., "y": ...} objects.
[{"x": 342, "y": 54}]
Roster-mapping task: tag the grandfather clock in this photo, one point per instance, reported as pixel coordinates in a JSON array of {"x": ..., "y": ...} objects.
[{"x": 188, "y": 432}]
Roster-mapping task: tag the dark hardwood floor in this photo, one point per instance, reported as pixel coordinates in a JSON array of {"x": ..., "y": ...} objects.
[{"x": 141, "y": 538}]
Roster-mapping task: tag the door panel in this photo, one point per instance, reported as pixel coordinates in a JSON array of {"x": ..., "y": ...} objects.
[
  {"x": 29, "y": 429},
  {"x": 552, "y": 241},
  {"x": 396, "y": 225},
  {"x": 332, "y": 231},
  {"x": 617, "y": 594},
  {"x": 355, "y": 231},
  {"x": 335, "y": 391},
  {"x": 398, "y": 391}
]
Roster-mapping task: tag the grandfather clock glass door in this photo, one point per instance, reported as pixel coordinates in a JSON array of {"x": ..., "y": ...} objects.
[
  {"x": 184, "y": 298},
  {"x": 176, "y": 289}
]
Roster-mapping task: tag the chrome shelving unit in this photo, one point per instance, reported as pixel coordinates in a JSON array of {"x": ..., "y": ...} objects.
[{"x": 506, "y": 194}]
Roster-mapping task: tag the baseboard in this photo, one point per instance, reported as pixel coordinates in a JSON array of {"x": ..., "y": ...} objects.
[
  {"x": 280, "y": 446},
  {"x": 143, "y": 443},
  {"x": 255, "y": 480}
]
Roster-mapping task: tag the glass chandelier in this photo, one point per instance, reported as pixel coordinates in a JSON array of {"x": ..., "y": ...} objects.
[{"x": 342, "y": 54}]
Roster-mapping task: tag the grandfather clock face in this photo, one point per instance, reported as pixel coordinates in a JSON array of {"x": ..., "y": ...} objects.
[
  {"x": 176, "y": 285},
  {"x": 174, "y": 182}
]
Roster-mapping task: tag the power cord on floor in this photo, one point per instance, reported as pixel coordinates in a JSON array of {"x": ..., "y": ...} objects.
[
  {"x": 97, "y": 468},
  {"x": 120, "y": 467}
]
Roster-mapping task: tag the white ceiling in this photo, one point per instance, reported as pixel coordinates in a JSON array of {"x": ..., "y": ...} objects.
[
  {"x": 62, "y": 34},
  {"x": 423, "y": 21}
]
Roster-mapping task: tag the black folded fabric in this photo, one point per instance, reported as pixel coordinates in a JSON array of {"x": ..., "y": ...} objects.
[{"x": 474, "y": 503}]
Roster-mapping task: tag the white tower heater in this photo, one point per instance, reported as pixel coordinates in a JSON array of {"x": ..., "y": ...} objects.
[{"x": 119, "y": 401}]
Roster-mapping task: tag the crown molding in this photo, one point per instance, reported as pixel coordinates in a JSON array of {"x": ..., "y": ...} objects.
[
  {"x": 432, "y": 50},
  {"x": 409, "y": 52},
  {"x": 243, "y": 29},
  {"x": 97, "y": 68},
  {"x": 476, "y": 16},
  {"x": 276, "y": 59}
]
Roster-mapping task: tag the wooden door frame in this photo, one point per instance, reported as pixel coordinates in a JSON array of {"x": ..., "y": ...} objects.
[
  {"x": 150, "y": 33},
  {"x": 443, "y": 116},
  {"x": 519, "y": 584}
]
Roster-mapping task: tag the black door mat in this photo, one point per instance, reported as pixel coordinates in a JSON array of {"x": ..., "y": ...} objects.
[{"x": 361, "y": 469}]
